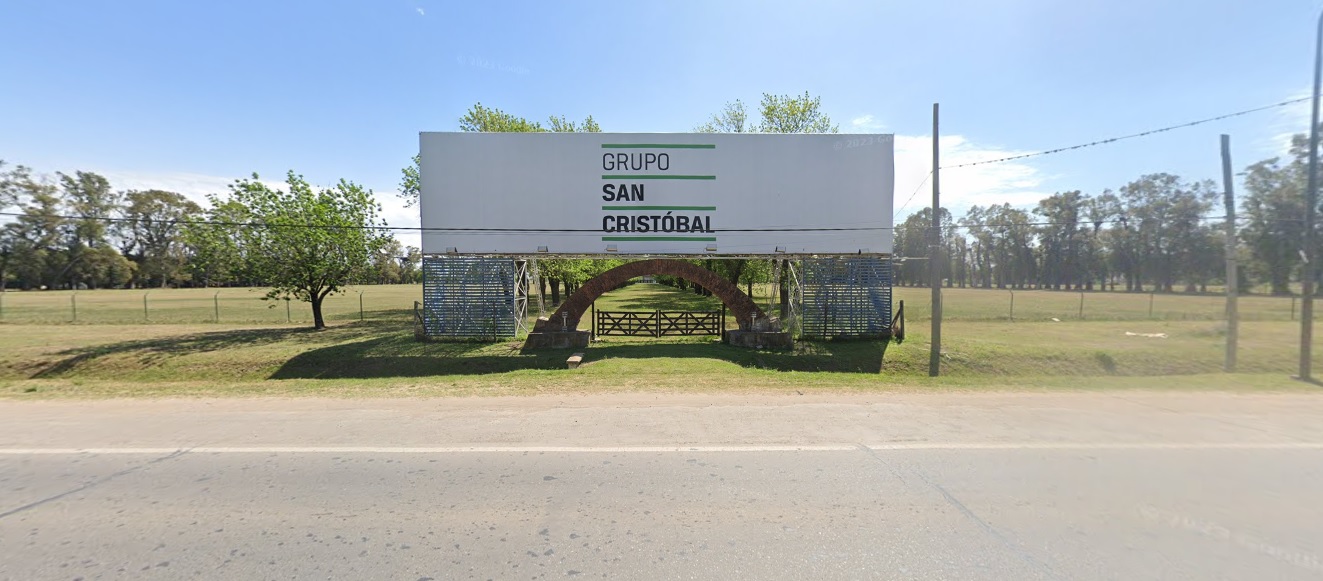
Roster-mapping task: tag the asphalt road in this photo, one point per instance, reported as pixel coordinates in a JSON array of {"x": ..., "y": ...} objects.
[{"x": 1089, "y": 486}]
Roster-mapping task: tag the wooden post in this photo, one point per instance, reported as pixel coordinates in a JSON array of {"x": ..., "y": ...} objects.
[
  {"x": 1012, "y": 304},
  {"x": 145, "y": 318},
  {"x": 73, "y": 302},
  {"x": 1081, "y": 305},
  {"x": 1150, "y": 305},
  {"x": 215, "y": 299},
  {"x": 1233, "y": 315},
  {"x": 934, "y": 262}
]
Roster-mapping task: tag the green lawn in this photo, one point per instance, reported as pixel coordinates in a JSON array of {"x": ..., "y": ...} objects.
[
  {"x": 197, "y": 305},
  {"x": 379, "y": 356}
]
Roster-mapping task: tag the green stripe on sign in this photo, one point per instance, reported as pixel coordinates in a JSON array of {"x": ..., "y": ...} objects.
[
  {"x": 694, "y": 208},
  {"x": 658, "y": 146},
  {"x": 659, "y": 238},
  {"x": 655, "y": 177}
]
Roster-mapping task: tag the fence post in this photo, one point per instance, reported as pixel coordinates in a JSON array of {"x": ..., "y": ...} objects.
[
  {"x": 1150, "y": 305},
  {"x": 1012, "y": 304},
  {"x": 287, "y": 320},
  {"x": 215, "y": 300},
  {"x": 145, "y": 317},
  {"x": 1292, "y": 307},
  {"x": 73, "y": 300},
  {"x": 657, "y": 333},
  {"x": 360, "y": 305},
  {"x": 1081, "y": 305}
]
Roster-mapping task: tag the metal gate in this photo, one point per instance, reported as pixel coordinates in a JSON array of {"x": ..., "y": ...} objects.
[{"x": 657, "y": 323}]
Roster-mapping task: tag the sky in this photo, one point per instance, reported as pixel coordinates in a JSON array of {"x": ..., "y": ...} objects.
[{"x": 188, "y": 96}]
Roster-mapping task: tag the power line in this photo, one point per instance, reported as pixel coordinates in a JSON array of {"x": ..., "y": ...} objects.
[
  {"x": 911, "y": 198},
  {"x": 1131, "y": 136}
]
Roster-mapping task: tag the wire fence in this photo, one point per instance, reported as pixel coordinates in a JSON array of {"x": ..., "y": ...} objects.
[
  {"x": 1045, "y": 305},
  {"x": 201, "y": 305},
  {"x": 246, "y": 305}
]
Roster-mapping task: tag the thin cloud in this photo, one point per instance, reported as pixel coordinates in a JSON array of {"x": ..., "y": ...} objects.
[
  {"x": 1289, "y": 121},
  {"x": 866, "y": 124},
  {"x": 420, "y": 12},
  {"x": 1017, "y": 183}
]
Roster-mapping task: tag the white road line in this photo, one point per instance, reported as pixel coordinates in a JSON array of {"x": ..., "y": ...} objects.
[{"x": 1082, "y": 446}]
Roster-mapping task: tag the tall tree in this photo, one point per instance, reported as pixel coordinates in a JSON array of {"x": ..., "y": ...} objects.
[
  {"x": 217, "y": 256},
  {"x": 89, "y": 197},
  {"x": 311, "y": 243},
  {"x": 151, "y": 235},
  {"x": 1274, "y": 203}
]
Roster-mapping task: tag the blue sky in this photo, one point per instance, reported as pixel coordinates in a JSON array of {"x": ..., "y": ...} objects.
[{"x": 189, "y": 95}]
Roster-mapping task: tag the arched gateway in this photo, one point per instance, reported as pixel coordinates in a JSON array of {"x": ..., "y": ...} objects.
[{"x": 571, "y": 311}]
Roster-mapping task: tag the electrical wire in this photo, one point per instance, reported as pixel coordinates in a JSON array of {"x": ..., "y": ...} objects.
[{"x": 1131, "y": 136}]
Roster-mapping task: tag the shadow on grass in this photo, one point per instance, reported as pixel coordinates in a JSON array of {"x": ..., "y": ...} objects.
[
  {"x": 400, "y": 356},
  {"x": 149, "y": 351}
]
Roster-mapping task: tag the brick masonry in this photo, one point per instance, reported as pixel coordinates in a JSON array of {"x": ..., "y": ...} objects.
[{"x": 743, "y": 307}]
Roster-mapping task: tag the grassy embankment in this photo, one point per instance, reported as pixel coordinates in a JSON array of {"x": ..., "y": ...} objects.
[{"x": 252, "y": 351}]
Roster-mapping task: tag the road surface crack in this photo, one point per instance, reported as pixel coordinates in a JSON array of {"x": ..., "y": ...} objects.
[{"x": 97, "y": 482}]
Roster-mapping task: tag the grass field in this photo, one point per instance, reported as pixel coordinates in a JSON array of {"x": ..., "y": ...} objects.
[
  {"x": 259, "y": 353},
  {"x": 245, "y": 305}
]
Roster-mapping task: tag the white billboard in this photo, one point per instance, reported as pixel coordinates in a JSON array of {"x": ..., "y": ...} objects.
[{"x": 656, "y": 193}]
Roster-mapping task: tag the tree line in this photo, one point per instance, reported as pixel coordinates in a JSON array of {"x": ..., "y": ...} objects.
[
  {"x": 76, "y": 231},
  {"x": 1158, "y": 232}
]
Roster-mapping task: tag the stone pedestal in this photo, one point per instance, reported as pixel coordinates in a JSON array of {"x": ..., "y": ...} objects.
[
  {"x": 760, "y": 339},
  {"x": 557, "y": 340}
]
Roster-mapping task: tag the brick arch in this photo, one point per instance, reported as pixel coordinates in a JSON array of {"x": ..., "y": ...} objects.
[{"x": 743, "y": 307}]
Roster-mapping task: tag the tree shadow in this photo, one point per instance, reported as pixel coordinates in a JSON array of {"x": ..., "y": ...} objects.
[
  {"x": 151, "y": 351},
  {"x": 821, "y": 356},
  {"x": 400, "y": 356}
]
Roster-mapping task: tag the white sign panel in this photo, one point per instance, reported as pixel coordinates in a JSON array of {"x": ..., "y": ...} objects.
[{"x": 656, "y": 193}]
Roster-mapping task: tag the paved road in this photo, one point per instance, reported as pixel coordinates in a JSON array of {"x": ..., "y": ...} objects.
[{"x": 1085, "y": 486}]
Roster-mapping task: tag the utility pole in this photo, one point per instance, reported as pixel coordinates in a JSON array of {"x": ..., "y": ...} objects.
[
  {"x": 1233, "y": 278},
  {"x": 1311, "y": 200},
  {"x": 934, "y": 262}
]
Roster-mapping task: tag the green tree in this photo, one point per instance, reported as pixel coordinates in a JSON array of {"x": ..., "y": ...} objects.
[
  {"x": 733, "y": 118},
  {"x": 217, "y": 256},
  {"x": 89, "y": 197},
  {"x": 794, "y": 114},
  {"x": 34, "y": 241},
  {"x": 151, "y": 235},
  {"x": 1273, "y": 205},
  {"x": 311, "y": 243}
]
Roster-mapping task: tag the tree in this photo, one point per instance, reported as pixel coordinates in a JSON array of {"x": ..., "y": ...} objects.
[
  {"x": 90, "y": 197},
  {"x": 794, "y": 114},
  {"x": 217, "y": 256},
  {"x": 1273, "y": 206},
  {"x": 732, "y": 119},
  {"x": 779, "y": 114},
  {"x": 309, "y": 243},
  {"x": 34, "y": 242},
  {"x": 151, "y": 237}
]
